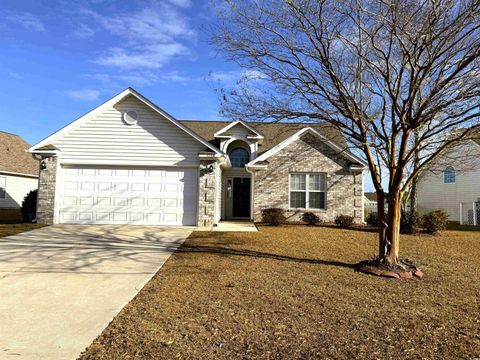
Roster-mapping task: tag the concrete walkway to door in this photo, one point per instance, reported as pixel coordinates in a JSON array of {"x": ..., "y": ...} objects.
[
  {"x": 61, "y": 285},
  {"x": 235, "y": 225}
]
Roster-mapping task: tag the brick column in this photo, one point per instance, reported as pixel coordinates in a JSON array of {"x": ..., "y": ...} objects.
[
  {"x": 206, "y": 194},
  {"x": 46, "y": 190}
]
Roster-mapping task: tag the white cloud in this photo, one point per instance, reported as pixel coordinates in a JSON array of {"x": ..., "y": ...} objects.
[
  {"x": 85, "y": 94},
  {"x": 181, "y": 3},
  {"x": 15, "y": 75},
  {"x": 234, "y": 76},
  {"x": 140, "y": 78},
  {"x": 150, "y": 38},
  {"x": 27, "y": 20},
  {"x": 149, "y": 56},
  {"x": 175, "y": 76},
  {"x": 160, "y": 23},
  {"x": 83, "y": 31}
]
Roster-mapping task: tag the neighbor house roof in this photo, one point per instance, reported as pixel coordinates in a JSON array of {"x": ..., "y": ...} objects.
[
  {"x": 476, "y": 137},
  {"x": 274, "y": 133},
  {"x": 372, "y": 196},
  {"x": 14, "y": 157}
]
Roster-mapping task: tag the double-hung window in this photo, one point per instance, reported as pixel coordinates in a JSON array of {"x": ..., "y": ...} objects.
[
  {"x": 308, "y": 191},
  {"x": 3, "y": 185}
]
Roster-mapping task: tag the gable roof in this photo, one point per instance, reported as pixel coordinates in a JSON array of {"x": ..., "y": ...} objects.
[
  {"x": 45, "y": 144},
  {"x": 296, "y": 136},
  {"x": 274, "y": 133},
  {"x": 14, "y": 157},
  {"x": 221, "y": 132}
]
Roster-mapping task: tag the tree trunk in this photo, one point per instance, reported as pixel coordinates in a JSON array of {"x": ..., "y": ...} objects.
[
  {"x": 382, "y": 225},
  {"x": 413, "y": 187},
  {"x": 392, "y": 231}
]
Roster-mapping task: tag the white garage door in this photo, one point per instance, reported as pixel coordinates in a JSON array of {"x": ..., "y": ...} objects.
[{"x": 155, "y": 196}]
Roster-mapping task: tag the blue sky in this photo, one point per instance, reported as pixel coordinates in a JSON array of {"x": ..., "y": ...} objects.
[{"x": 60, "y": 59}]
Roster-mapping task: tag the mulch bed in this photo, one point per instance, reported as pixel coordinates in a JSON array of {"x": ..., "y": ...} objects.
[
  {"x": 293, "y": 292},
  {"x": 404, "y": 269}
]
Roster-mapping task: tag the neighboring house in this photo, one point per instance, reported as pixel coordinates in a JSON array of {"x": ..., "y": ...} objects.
[
  {"x": 18, "y": 175},
  {"x": 370, "y": 202},
  {"x": 128, "y": 161},
  {"x": 453, "y": 183}
]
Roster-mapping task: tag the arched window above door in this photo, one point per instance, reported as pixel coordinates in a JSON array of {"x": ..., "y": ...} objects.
[{"x": 239, "y": 157}]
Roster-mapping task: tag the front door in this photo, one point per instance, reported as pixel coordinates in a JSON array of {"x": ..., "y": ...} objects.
[{"x": 238, "y": 197}]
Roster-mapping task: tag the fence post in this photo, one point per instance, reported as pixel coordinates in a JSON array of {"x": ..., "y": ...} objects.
[
  {"x": 474, "y": 214},
  {"x": 461, "y": 213}
]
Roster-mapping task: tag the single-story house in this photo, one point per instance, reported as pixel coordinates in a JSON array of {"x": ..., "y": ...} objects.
[
  {"x": 128, "y": 161},
  {"x": 18, "y": 175}
]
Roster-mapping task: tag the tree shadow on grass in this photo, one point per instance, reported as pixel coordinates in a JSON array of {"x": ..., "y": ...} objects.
[{"x": 188, "y": 247}]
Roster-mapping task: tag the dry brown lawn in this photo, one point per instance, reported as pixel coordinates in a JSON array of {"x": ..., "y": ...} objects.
[
  {"x": 291, "y": 292},
  {"x": 12, "y": 229}
]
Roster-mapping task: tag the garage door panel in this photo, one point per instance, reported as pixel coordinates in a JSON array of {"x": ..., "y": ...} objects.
[{"x": 135, "y": 196}]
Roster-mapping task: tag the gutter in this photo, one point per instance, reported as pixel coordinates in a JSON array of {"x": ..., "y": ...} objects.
[{"x": 18, "y": 174}]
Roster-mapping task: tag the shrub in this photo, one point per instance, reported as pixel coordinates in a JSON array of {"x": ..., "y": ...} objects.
[
  {"x": 409, "y": 222},
  {"x": 344, "y": 221},
  {"x": 310, "y": 218},
  {"x": 29, "y": 206},
  {"x": 372, "y": 219},
  {"x": 435, "y": 221},
  {"x": 273, "y": 216}
]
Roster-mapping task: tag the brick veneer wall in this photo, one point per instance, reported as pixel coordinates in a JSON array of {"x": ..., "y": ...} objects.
[
  {"x": 309, "y": 154},
  {"x": 206, "y": 194},
  {"x": 46, "y": 191}
]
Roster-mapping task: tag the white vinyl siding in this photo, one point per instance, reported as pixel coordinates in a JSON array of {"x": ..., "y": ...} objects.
[
  {"x": 128, "y": 195},
  {"x": 307, "y": 191},
  {"x": 106, "y": 139},
  {"x": 434, "y": 193},
  {"x": 16, "y": 188}
]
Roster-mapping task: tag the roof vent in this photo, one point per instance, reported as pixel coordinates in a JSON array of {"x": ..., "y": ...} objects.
[{"x": 130, "y": 117}]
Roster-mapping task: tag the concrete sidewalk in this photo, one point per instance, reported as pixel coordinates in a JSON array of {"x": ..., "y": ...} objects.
[{"x": 61, "y": 285}]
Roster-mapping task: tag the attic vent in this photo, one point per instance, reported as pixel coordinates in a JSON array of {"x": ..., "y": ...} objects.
[{"x": 130, "y": 117}]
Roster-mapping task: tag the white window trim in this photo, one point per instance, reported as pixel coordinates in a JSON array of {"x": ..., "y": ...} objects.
[
  {"x": 4, "y": 180},
  {"x": 307, "y": 190}
]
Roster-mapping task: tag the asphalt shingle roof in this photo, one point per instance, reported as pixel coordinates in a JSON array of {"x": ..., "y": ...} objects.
[
  {"x": 274, "y": 133},
  {"x": 14, "y": 157}
]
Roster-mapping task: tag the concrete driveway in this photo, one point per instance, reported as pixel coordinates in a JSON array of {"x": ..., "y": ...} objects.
[{"x": 61, "y": 285}]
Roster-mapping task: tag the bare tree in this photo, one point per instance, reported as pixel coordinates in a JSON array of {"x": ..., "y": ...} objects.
[{"x": 378, "y": 70}]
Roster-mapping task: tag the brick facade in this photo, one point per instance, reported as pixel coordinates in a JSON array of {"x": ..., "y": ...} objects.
[
  {"x": 309, "y": 154},
  {"x": 206, "y": 193},
  {"x": 46, "y": 190}
]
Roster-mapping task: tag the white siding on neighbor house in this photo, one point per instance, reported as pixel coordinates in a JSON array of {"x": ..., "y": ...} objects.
[
  {"x": 106, "y": 139},
  {"x": 16, "y": 189},
  {"x": 433, "y": 193}
]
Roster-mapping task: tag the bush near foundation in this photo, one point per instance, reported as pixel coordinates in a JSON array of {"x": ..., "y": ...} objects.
[{"x": 273, "y": 216}]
